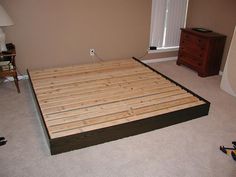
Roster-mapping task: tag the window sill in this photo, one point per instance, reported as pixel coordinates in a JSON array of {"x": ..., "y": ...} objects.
[{"x": 172, "y": 49}]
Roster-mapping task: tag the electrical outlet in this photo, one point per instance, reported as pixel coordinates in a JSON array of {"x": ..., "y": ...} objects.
[{"x": 92, "y": 52}]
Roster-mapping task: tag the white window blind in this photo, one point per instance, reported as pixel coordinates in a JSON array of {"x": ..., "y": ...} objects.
[{"x": 168, "y": 16}]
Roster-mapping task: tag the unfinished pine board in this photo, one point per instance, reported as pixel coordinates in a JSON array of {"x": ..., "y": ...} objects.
[{"x": 89, "y": 104}]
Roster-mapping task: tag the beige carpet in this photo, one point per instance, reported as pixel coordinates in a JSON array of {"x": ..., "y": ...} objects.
[{"x": 188, "y": 149}]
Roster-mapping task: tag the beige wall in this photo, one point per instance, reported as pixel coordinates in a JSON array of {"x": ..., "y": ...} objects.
[
  {"x": 217, "y": 15},
  {"x": 50, "y": 33}
]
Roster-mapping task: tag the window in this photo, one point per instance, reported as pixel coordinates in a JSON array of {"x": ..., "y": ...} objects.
[{"x": 168, "y": 16}]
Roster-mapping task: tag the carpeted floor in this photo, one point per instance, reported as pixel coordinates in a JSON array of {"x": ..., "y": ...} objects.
[{"x": 188, "y": 149}]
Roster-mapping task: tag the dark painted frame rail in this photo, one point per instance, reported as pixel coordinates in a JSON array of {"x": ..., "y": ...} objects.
[{"x": 85, "y": 139}]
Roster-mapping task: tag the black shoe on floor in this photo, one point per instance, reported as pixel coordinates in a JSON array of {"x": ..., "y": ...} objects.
[
  {"x": 3, "y": 142},
  {"x": 222, "y": 148},
  {"x": 2, "y": 138}
]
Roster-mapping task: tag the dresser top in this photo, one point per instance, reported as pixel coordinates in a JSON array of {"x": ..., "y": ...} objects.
[{"x": 203, "y": 34}]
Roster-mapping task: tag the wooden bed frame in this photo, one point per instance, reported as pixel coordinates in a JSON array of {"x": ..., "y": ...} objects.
[{"x": 94, "y": 103}]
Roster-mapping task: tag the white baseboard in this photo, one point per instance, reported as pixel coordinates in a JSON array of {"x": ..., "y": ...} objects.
[
  {"x": 150, "y": 61},
  {"x": 22, "y": 77},
  {"x": 159, "y": 60}
]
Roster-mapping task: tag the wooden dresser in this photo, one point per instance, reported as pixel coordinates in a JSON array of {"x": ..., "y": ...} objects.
[{"x": 201, "y": 51}]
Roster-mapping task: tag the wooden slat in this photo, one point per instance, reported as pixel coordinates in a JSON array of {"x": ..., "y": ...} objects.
[
  {"x": 89, "y": 77},
  {"x": 91, "y": 112},
  {"x": 72, "y": 74},
  {"x": 40, "y": 74},
  {"x": 108, "y": 99},
  {"x": 83, "y": 88},
  {"x": 103, "y": 92},
  {"x": 55, "y": 126},
  {"x": 109, "y": 81},
  {"x": 79, "y": 90},
  {"x": 103, "y": 109}
]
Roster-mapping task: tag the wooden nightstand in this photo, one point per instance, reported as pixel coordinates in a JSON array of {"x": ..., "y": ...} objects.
[{"x": 9, "y": 70}]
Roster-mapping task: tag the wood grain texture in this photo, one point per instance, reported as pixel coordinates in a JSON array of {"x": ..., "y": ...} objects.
[{"x": 80, "y": 99}]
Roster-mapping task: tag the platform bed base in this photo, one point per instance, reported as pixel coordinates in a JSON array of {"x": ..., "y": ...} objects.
[{"x": 109, "y": 133}]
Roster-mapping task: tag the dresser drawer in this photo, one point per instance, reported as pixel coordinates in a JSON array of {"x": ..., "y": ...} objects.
[
  {"x": 190, "y": 59},
  {"x": 195, "y": 52},
  {"x": 193, "y": 41}
]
